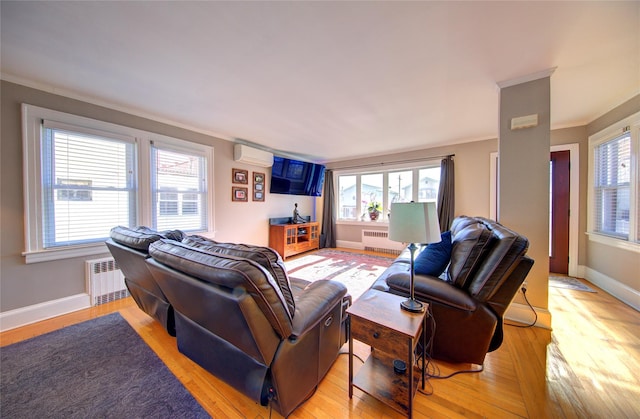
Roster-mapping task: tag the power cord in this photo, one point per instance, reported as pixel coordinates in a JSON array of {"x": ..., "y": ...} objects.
[{"x": 535, "y": 314}]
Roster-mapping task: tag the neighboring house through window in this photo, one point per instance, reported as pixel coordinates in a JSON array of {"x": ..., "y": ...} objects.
[{"x": 362, "y": 192}]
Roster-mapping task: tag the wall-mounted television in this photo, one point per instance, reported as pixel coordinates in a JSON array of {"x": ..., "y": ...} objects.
[{"x": 294, "y": 177}]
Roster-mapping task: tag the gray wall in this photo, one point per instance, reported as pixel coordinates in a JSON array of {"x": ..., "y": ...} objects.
[
  {"x": 23, "y": 285},
  {"x": 523, "y": 179},
  {"x": 620, "y": 264}
]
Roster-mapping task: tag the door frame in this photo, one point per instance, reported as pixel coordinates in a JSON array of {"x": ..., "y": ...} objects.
[{"x": 574, "y": 196}]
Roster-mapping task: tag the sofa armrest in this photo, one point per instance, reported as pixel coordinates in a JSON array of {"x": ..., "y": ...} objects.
[
  {"x": 432, "y": 289},
  {"x": 317, "y": 299}
]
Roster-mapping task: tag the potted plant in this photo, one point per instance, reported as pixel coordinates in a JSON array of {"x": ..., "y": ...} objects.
[{"x": 374, "y": 209}]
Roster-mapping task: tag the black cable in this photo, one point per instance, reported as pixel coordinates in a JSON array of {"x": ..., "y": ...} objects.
[
  {"x": 535, "y": 320},
  {"x": 347, "y": 353}
]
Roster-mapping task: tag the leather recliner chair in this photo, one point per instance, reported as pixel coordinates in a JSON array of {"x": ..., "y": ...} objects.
[
  {"x": 487, "y": 268},
  {"x": 130, "y": 248},
  {"x": 234, "y": 320}
]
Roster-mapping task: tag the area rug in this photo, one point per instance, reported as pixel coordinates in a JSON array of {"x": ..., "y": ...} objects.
[
  {"x": 99, "y": 368},
  {"x": 568, "y": 282},
  {"x": 356, "y": 271}
]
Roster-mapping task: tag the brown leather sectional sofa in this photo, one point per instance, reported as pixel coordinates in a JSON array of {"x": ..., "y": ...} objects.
[
  {"x": 237, "y": 314},
  {"x": 487, "y": 268}
]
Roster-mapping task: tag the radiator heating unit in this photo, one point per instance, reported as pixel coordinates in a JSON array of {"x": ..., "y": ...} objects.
[
  {"x": 378, "y": 241},
  {"x": 105, "y": 281}
]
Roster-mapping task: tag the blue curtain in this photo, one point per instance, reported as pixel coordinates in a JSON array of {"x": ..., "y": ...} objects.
[{"x": 446, "y": 194}]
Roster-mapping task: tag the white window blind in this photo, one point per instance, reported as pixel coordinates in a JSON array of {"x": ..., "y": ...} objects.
[
  {"x": 88, "y": 184},
  {"x": 612, "y": 186},
  {"x": 179, "y": 189}
]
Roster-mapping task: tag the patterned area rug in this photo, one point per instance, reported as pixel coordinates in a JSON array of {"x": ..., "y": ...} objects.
[
  {"x": 568, "y": 282},
  {"x": 355, "y": 270},
  {"x": 97, "y": 369}
]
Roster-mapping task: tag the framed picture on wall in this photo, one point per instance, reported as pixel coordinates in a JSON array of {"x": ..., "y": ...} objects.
[
  {"x": 240, "y": 176},
  {"x": 239, "y": 194},
  {"x": 258, "y": 186}
]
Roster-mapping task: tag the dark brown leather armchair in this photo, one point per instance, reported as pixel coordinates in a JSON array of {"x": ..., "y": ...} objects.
[
  {"x": 235, "y": 319},
  {"x": 129, "y": 248},
  {"x": 487, "y": 268}
]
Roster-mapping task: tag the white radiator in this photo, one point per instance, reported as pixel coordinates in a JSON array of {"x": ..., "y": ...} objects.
[
  {"x": 378, "y": 241},
  {"x": 105, "y": 281}
]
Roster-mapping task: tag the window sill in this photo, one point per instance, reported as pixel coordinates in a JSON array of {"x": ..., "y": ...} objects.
[
  {"x": 381, "y": 223},
  {"x": 613, "y": 242},
  {"x": 66, "y": 253}
]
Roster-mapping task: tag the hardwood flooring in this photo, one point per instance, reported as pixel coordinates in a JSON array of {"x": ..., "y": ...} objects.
[{"x": 587, "y": 367}]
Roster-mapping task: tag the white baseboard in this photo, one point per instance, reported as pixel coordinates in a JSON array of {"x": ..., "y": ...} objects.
[
  {"x": 349, "y": 245},
  {"x": 38, "y": 312},
  {"x": 522, "y": 313},
  {"x": 622, "y": 292}
]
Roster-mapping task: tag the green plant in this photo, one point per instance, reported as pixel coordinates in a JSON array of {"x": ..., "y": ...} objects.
[{"x": 375, "y": 207}]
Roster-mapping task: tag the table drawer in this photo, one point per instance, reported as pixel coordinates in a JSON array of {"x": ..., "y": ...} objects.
[{"x": 379, "y": 337}]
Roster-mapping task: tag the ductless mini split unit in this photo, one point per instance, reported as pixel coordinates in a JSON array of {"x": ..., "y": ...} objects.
[{"x": 253, "y": 156}]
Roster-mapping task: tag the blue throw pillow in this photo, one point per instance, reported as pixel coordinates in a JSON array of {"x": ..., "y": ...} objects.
[{"x": 434, "y": 259}]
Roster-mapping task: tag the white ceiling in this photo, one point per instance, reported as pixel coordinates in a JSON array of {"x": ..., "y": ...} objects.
[{"x": 329, "y": 80}]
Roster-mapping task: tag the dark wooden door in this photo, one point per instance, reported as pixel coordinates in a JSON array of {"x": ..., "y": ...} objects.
[{"x": 559, "y": 217}]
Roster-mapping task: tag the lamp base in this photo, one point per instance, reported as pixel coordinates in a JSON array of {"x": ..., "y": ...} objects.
[{"x": 413, "y": 306}]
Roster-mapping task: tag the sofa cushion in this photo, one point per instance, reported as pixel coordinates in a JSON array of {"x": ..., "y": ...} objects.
[
  {"x": 265, "y": 256},
  {"x": 434, "y": 259},
  {"x": 141, "y": 237},
  {"x": 230, "y": 272},
  {"x": 468, "y": 247}
]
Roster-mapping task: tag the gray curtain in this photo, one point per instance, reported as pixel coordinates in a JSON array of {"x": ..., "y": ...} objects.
[
  {"x": 328, "y": 231},
  {"x": 446, "y": 194}
]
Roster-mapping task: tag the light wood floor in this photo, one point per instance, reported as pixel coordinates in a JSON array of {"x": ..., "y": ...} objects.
[{"x": 588, "y": 366}]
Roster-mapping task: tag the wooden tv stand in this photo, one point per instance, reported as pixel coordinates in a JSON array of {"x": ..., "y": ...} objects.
[{"x": 291, "y": 239}]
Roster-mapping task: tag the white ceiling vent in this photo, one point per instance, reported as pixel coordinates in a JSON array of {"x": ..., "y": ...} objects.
[{"x": 253, "y": 156}]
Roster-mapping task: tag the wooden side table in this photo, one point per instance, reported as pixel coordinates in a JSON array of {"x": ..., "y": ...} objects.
[{"x": 377, "y": 320}]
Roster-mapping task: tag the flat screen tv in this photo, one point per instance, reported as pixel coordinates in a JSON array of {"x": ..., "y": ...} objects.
[{"x": 294, "y": 177}]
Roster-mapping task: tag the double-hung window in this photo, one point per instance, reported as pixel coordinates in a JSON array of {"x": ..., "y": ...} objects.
[
  {"x": 88, "y": 184},
  {"x": 614, "y": 181},
  {"x": 84, "y": 177},
  {"x": 179, "y": 188}
]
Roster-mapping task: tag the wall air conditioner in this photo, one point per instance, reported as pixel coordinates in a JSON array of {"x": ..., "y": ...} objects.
[{"x": 253, "y": 156}]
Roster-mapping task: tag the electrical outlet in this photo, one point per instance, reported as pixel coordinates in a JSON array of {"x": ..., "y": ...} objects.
[
  {"x": 524, "y": 284},
  {"x": 523, "y": 288}
]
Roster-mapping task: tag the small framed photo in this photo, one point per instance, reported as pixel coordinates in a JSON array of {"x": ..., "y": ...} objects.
[
  {"x": 258, "y": 186},
  {"x": 240, "y": 176},
  {"x": 239, "y": 194}
]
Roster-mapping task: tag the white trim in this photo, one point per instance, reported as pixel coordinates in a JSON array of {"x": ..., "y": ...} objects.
[
  {"x": 521, "y": 313},
  {"x": 32, "y": 117},
  {"x": 349, "y": 244},
  {"x": 493, "y": 185},
  {"x": 48, "y": 88},
  {"x": 614, "y": 242},
  {"x": 574, "y": 199},
  {"x": 621, "y": 291},
  {"x": 632, "y": 124},
  {"x": 526, "y": 78},
  {"x": 65, "y": 253},
  {"x": 38, "y": 312}
]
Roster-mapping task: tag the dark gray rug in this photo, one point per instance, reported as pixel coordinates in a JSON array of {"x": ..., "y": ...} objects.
[
  {"x": 568, "y": 282},
  {"x": 97, "y": 369}
]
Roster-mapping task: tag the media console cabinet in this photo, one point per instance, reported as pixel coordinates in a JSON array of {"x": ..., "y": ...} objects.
[{"x": 290, "y": 239}]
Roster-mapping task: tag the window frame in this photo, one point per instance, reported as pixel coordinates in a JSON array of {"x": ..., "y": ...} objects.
[
  {"x": 631, "y": 125},
  {"x": 414, "y": 166},
  {"x": 32, "y": 129}
]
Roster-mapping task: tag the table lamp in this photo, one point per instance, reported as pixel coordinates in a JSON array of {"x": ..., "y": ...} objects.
[{"x": 414, "y": 222}]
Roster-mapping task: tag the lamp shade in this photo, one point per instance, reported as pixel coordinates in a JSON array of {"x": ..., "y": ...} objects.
[{"x": 414, "y": 222}]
